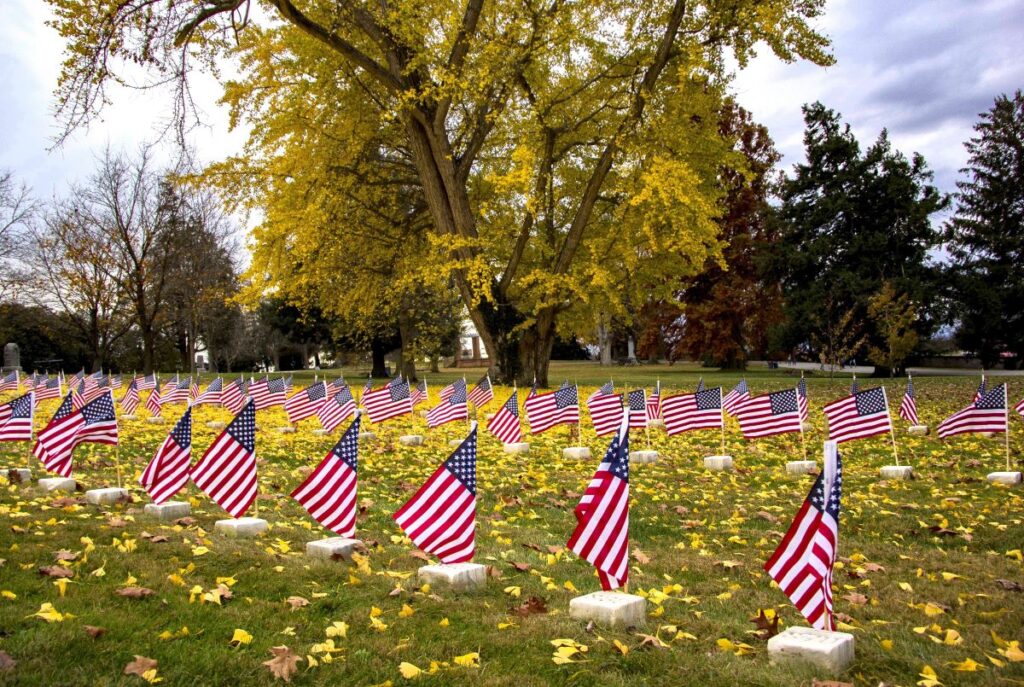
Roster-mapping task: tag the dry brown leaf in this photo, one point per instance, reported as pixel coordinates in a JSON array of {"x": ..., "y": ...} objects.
[
  {"x": 135, "y": 592},
  {"x": 650, "y": 641},
  {"x": 55, "y": 571},
  {"x": 65, "y": 556},
  {"x": 139, "y": 666},
  {"x": 296, "y": 602},
  {"x": 640, "y": 557},
  {"x": 521, "y": 567},
  {"x": 284, "y": 663},
  {"x": 420, "y": 555},
  {"x": 117, "y": 522},
  {"x": 94, "y": 631},
  {"x": 829, "y": 683},
  {"x": 533, "y": 606},
  {"x": 1010, "y": 585},
  {"x": 765, "y": 515},
  {"x": 185, "y": 521},
  {"x": 856, "y": 599},
  {"x": 493, "y": 572},
  {"x": 6, "y": 662},
  {"x": 766, "y": 629}
]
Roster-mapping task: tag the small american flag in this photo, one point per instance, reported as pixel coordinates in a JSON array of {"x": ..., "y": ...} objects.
[
  {"x": 177, "y": 393},
  {"x": 268, "y": 393},
  {"x": 1020, "y": 407},
  {"x": 637, "y": 409},
  {"x": 859, "y": 415},
  {"x": 854, "y": 386},
  {"x": 770, "y": 414},
  {"x": 147, "y": 382},
  {"x": 168, "y": 471},
  {"x": 227, "y": 471},
  {"x": 153, "y": 403},
  {"x": 115, "y": 382},
  {"x": 10, "y": 382},
  {"x": 391, "y": 400},
  {"x": 440, "y": 518},
  {"x": 601, "y": 536},
  {"x": 687, "y": 412},
  {"x": 505, "y": 423},
  {"x": 801, "y": 391},
  {"x": 654, "y": 403},
  {"x": 737, "y": 397},
  {"x": 212, "y": 394},
  {"x": 306, "y": 402},
  {"x": 802, "y": 564},
  {"x": 339, "y": 408},
  {"x": 130, "y": 400},
  {"x": 482, "y": 393},
  {"x": 16, "y": 418},
  {"x": 94, "y": 387},
  {"x": 51, "y": 388},
  {"x": 93, "y": 423},
  {"x": 987, "y": 414},
  {"x": 447, "y": 391},
  {"x": 450, "y": 409},
  {"x": 419, "y": 393},
  {"x": 981, "y": 388},
  {"x": 908, "y": 407},
  {"x": 605, "y": 413},
  {"x": 78, "y": 395},
  {"x": 700, "y": 385},
  {"x": 605, "y": 389},
  {"x": 329, "y": 492},
  {"x": 235, "y": 396},
  {"x": 544, "y": 411}
]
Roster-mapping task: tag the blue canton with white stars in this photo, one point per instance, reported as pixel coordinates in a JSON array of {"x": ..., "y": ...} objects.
[
  {"x": 566, "y": 396},
  {"x": 399, "y": 391},
  {"x": 742, "y": 388},
  {"x": 317, "y": 391},
  {"x": 66, "y": 408},
  {"x": 100, "y": 410},
  {"x": 870, "y": 401},
  {"x": 276, "y": 386},
  {"x": 347, "y": 448},
  {"x": 783, "y": 401},
  {"x": 243, "y": 427},
  {"x": 617, "y": 456},
  {"x": 512, "y": 404},
  {"x": 462, "y": 463},
  {"x": 459, "y": 397},
  {"x": 817, "y": 496},
  {"x": 182, "y": 432},
  {"x": 607, "y": 387},
  {"x": 21, "y": 407},
  {"x": 910, "y": 387},
  {"x": 993, "y": 400},
  {"x": 637, "y": 401},
  {"x": 343, "y": 396},
  {"x": 801, "y": 387},
  {"x": 216, "y": 385},
  {"x": 709, "y": 399}
]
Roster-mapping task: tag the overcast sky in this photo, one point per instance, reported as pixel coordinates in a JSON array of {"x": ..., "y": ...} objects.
[{"x": 924, "y": 69}]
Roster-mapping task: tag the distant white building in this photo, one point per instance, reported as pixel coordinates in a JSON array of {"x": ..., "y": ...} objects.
[{"x": 471, "y": 351}]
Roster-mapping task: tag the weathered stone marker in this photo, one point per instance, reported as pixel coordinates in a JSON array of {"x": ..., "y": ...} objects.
[
  {"x": 17, "y": 475},
  {"x": 215, "y": 424},
  {"x": 900, "y": 472},
  {"x": 576, "y": 452},
  {"x": 411, "y": 440},
  {"x": 918, "y": 430},
  {"x": 58, "y": 484},
  {"x": 241, "y": 527},
  {"x": 169, "y": 511},
  {"x": 128, "y": 418},
  {"x": 286, "y": 429},
  {"x": 12, "y": 357},
  {"x": 320, "y": 432},
  {"x": 333, "y": 547},
  {"x": 460, "y": 577},
  {"x": 367, "y": 436},
  {"x": 455, "y": 442},
  {"x": 656, "y": 423},
  {"x": 103, "y": 497},
  {"x": 155, "y": 420},
  {"x": 521, "y": 448},
  {"x": 610, "y": 609},
  {"x": 1010, "y": 478},
  {"x": 831, "y": 651},
  {"x": 643, "y": 457},
  {"x": 720, "y": 463},
  {"x": 801, "y": 467}
]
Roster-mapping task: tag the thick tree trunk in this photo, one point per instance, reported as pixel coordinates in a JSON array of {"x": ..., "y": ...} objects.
[
  {"x": 604, "y": 341},
  {"x": 407, "y": 355},
  {"x": 148, "y": 354},
  {"x": 303, "y": 364},
  {"x": 377, "y": 353}
]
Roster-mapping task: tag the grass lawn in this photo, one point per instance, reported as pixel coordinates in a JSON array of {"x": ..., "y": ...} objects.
[{"x": 931, "y": 571}]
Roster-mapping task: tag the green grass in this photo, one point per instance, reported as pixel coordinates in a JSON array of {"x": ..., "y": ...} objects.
[{"x": 686, "y": 520}]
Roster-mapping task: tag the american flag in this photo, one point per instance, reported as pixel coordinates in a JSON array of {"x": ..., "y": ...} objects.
[
  {"x": 908, "y": 407},
  {"x": 177, "y": 393},
  {"x": 802, "y": 564},
  {"x": 801, "y": 392},
  {"x": 654, "y": 403},
  {"x": 338, "y": 384},
  {"x": 95, "y": 422},
  {"x": 737, "y": 397},
  {"x": 419, "y": 393},
  {"x": 146, "y": 382},
  {"x": 637, "y": 409},
  {"x": 544, "y": 411},
  {"x": 329, "y": 492},
  {"x": 51, "y": 388},
  {"x": 94, "y": 387},
  {"x": 168, "y": 471},
  {"x": 601, "y": 536},
  {"x": 981, "y": 389},
  {"x": 10, "y": 382},
  {"x": 306, "y": 403},
  {"x": 482, "y": 393},
  {"x": 169, "y": 385},
  {"x": 1020, "y": 407},
  {"x": 987, "y": 414},
  {"x": 533, "y": 388},
  {"x": 605, "y": 389},
  {"x": 447, "y": 391},
  {"x": 440, "y": 518},
  {"x": 268, "y": 393},
  {"x": 153, "y": 403},
  {"x": 339, "y": 408},
  {"x": 235, "y": 395},
  {"x": 769, "y": 414},
  {"x": 605, "y": 413},
  {"x": 854, "y": 386},
  {"x": 368, "y": 387},
  {"x": 687, "y": 412},
  {"x": 859, "y": 415},
  {"x": 78, "y": 395},
  {"x": 450, "y": 409},
  {"x": 227, "y": 471},
  {"x": 130, "y": 400},
  {"x": 700, "y": 385},
  {"x": 193, "y": 390},
  {"x": 212, "y": 395},
  {"x": 387, "y": 402},
  {"x": 505, "y": 423},
  {"x": 288, "y": 384},
  {"x": 115, "y": 382},
  {"x": 16, "y": 418}
]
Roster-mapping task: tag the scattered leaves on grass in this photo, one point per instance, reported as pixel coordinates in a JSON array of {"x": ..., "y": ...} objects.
[
  {"x": 284, "y": 664},
  {"x": 135, "y": 592},
  {"x": 94, "y": 631},
  {"x": 533, "y": 606}
]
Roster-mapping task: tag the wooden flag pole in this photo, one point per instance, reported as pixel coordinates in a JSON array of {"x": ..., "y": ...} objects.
[
  {"x": 803, "y": 441},
  {"x": 1006, "y": 405},
  {"x": 117, "y": 462},
  {"x": 892, "y": 434},
  {"x": 721, "y": 407}
]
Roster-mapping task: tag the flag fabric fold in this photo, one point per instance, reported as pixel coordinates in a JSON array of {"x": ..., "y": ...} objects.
[
  {"x": 544, "y": 411},
  {"x": 329, "y": 492},
  {"x": 16, "y": 418},
  {"x": 859, "y": 415},
  {"x": 985, "y": 414},
  {"x": 168, "y": 471},
  {"x": 227, "y": 470},
  {"x": 908, "y": 406},
  {"x": 687, "y": 412},
  {"x": 770, "y": 414},
  {"x": 94, "y": 422},
  {"x": 505, "y": 423}
]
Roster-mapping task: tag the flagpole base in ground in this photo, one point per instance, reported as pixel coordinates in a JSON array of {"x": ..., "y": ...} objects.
[
  {"x": 58, "y": 484},
  {"x": 216, "y": 424},
  {"x": 610, "y": 609},
  {"x": 103, "y": 497},
  {"x": 367, "y": 436},
  {"x": 461, "y": 577},
  {"x": 17, "y": 475},
  {"x": 128, "y": 418},
  {"x": 576, "y": 452},
  {"x": 335, "y": 548},
  {"x": 831, "y": 651},
  {"x": 169, "y": 511},
  {"x": 285, "y": 430},
  {"x": 155, "y": 420},
  {"x": 411, "y": 440},
  {"x": 320, "y": 432},
  {"x": 520, "y": 448},
  {"x": 918, "y": 430},
  {"x": 643, "y": 457},
  {"x": 900, "y": 472},
  {"x": 656, "y": 423},
  {"x": 1011, "y": 478},
  {"x": 801, "y": 467},
  {"x": 720, "y": 463},
  {"x": 241, "y": 527}
]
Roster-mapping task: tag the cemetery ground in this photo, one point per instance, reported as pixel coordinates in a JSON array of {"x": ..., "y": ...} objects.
[{"x": 930, "y": 580}]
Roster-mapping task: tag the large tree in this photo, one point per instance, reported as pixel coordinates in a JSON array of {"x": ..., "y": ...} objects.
[
  {"x": 850, "y": 222},
  {"x": 532, "y": 127},
  {"x": 986, "y": 236},
  {"x": 18, "y": 209}
]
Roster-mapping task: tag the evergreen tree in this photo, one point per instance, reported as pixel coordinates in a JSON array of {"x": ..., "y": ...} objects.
[{"x": 986, "y": 236}]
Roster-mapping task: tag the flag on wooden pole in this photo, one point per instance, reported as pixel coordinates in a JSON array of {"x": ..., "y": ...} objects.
[
  {"x": 859, "y": 415},
  {"x": 168, "y": 471},
  {"x": 687, "y": 412},
  {"x": 16, "y": 418},
  {"x": 908, "y": 406},
  {"x": 94, "y": 422},
  {"x": 227, "y": 470},
  {"x": 329, "y": 492},
  {"x": 505, "y": 423}
]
